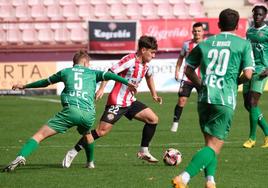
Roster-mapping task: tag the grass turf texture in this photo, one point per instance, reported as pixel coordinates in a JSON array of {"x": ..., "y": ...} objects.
[{"x": 115, "y": 154}]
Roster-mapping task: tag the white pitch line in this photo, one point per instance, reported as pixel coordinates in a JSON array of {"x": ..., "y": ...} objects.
[{"x": 41, "y": 99}]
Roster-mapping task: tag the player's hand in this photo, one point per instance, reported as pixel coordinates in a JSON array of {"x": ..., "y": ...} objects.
[
  {"x": 158, "y": 99},
  {"x": 132, "y": 88},
  {"x": 264, "y": 74},
  {"x": 18, "y": 86},
  {"x": 99, "y": 94}
]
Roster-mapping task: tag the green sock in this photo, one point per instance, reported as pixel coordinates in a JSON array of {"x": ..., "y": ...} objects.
[
  {"x": 210, "y": 170},
  {"x": 200, "y": 161},
  {"x": 28, "y": 147},
  {"x": 263, "y": 124},
  {"x": 89, "y": 149},
  {"x": 254, "y": 113}
]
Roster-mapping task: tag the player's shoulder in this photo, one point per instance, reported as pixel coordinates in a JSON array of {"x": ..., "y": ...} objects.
[
  {"x": 227, "y": 36},
  {"x": 127, "y": 58},
  {"x": 187, "y": 42}
]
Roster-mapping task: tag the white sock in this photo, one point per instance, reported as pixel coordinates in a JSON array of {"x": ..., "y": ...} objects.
[
  {"x": 144, "y": 149},
  {"x": 185, "y": 177},
  {"x": 211, "y": 179}
]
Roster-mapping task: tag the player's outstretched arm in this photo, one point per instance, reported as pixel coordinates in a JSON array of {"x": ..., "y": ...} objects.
[
  {"x": 37, "y": 84},
  {"x": 151, "y": 86}
]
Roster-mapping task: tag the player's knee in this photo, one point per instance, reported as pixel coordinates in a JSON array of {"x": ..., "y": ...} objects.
[
  {"x": 153, "y": 119},
  {"x": 182, "y": 102}
]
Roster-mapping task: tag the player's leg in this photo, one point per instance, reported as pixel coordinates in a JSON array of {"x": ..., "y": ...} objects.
[
  {"x": 111, "y": 115},
  {"x": 256, "y": 117},
  {"x": 102, "y": 129},
  {"x": 215, "y": 122},
  {"x": 183, "y": 94},
  {"x": 252, "y": 128},
  {"x": 142, "y": 113},
  {"x": 177, "y": 113},
  {"x": 31, "y": 145},
  {"x": 210, "y": 171},
  {"x": 261, "y": 120},
  {"x": 255, "y": 114}
]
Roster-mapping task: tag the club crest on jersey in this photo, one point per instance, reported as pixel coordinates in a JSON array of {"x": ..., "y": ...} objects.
[{"x": 110, "y": 116}]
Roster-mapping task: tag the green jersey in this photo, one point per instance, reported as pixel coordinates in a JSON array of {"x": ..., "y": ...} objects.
[
  {"x": 80, "y": 85},
  {"x": 221, "y": 58},
  {"x": 258, "y": 38}
]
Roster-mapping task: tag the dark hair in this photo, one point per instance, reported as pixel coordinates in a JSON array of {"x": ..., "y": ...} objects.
[
  {"x": 228, "y": 19},
  {"x": 79, "y": 55},
  {"x": 147, "y": 42},
  {"x": 260, "y": 7},
  {"x": 198, "y": 24}
]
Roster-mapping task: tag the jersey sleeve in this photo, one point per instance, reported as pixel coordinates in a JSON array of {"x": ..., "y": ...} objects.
[
  {"x": 99, "y": 75},
  {"x": 55, "y": 77},
  {"x": 45, "y": 82},
  {"x": 193, "y": 60},
  {"x": 247, "y": 57},
  {"x": 115, "y": 77}
]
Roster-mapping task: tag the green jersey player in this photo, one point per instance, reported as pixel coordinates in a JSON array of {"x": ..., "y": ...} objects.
[
  {"x": 252, "y": 90},
  {"x": 77, "y": 100},
  {"x": 221, "y": 62}
]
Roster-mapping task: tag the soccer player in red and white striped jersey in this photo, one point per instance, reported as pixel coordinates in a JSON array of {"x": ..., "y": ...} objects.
[
  {"x": 122, "y": 102},
  {"x": 186, "y": 85}
]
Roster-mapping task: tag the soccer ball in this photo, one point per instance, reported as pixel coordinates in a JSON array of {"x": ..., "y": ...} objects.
[{"x": 172, "y": 157}]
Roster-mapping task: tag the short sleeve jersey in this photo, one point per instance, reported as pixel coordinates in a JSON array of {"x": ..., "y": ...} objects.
[
  {"x": 80, "y": 85},
  {"x": 258, "y": 38},
  {"x": 130, "y": 68},
  {"x": 221, "y": 59},
  {"x": 186, "y": 49}
]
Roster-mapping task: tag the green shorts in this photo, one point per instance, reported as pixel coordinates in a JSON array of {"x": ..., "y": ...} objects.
[
  {"x": 72, "y": 116},
  {"x": 215, "y": 119},
  {"x": 255, "y": 84}
]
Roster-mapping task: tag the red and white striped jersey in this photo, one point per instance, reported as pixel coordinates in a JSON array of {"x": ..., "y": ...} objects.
[
  {"x": 186, "y": 49},
  {"x": 131, "y": 69}
]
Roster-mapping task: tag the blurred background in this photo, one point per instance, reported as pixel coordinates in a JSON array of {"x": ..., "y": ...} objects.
[{"x": 39, "y": 37}]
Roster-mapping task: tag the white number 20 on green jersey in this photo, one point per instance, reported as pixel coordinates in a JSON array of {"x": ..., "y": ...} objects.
[{"x": 219, "y": 61}]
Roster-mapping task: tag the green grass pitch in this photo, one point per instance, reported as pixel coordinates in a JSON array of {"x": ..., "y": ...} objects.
[{"x": 115, "y": 154}]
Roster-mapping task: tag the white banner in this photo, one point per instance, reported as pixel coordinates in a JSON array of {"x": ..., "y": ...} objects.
[{"x": 163, "y": 71}]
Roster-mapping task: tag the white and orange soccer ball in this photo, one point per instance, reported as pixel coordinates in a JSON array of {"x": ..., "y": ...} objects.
[{"x": 172, "y": 157}]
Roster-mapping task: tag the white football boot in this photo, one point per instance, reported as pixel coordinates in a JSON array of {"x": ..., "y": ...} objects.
[
  {"x": 90, "y": 165},
  {"x": 174, "y": 127},
  {"x": 14, "y": 164},
  {"x": 69, "y": 157},
  {"x": 147, "y": 157}
]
